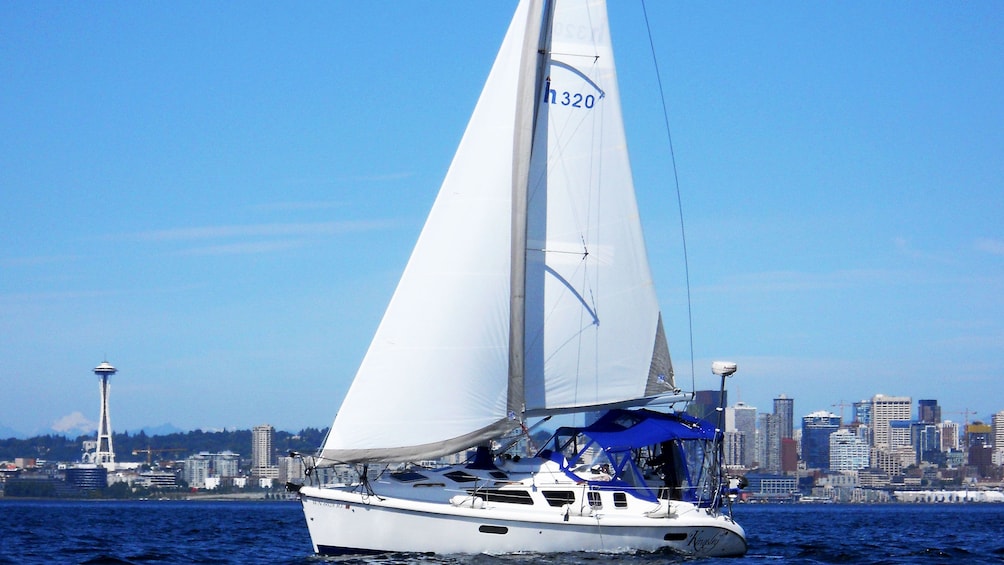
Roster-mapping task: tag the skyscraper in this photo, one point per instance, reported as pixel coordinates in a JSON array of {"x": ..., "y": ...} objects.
[
  {"x": 784, "y": 409},
  {"x": 816, "y": 430},
  {"x": 928, "y": 412},
  {"x": 862, "y": 412},
  {"x": 769, "y": 445},
  {"x": 741, "y": 420},
  {"x": 949, "y": 435},
  {"x": 706, "y": 403},
  {"x": 997, "y": 423},
  {"x": 262, "y": 458},
  {"x": 884, "y": 410}
]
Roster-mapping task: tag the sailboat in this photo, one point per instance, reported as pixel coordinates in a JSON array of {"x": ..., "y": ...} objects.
[{"x": 528, "y": 295}]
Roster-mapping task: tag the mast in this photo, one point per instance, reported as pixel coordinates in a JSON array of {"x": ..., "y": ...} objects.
[{"x": 533, "y": 64}]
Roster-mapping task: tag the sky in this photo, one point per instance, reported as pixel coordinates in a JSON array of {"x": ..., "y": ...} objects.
[{"x": 218, "y": 198}]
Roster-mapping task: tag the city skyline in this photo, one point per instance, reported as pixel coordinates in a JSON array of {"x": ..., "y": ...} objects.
[
  {"x": 797, "y": 414},
  {"x": 220, "y": 202}
]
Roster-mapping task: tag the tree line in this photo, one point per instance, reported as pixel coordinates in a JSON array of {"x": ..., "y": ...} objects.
[{"x": 132, "y": 447}]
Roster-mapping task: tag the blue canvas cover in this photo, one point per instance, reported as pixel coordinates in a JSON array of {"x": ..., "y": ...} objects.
[{"x": 623, "y": 430}]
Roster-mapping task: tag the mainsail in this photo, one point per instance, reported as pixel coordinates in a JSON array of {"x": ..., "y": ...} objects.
[{"x": 437, "y": 377}]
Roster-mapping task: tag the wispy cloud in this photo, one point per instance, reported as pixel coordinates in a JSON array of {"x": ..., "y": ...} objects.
[
  {"x": 298, "y": 206},
  {"x": 258, "y": 230},
  {"x": 904, "y": 247},
  {"x": 789, "y": 281},
  {"x": 244, "y": 248},
  {"x": 381, "y": 177},
  {"x": 384, "y": 177},
  {"x": 22, "y": 297},
  {"x": 992, "y": 246},
  {"x": 39, "y": 260}
]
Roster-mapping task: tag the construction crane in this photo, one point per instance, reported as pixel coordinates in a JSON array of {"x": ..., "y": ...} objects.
[
  {"x": 965, "y": 414},
  {"x": 150, "y": 451},
  {"x": 842, "y": 405}
]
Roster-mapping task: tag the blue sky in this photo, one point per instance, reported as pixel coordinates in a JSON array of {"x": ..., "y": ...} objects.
[{"x": 218, "y": 198}]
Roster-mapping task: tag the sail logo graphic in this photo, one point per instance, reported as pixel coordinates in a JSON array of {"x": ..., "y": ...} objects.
[{"x": 571, "y": 98}]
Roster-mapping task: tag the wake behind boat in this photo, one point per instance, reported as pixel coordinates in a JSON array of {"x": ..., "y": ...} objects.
[{"x": 527, "y": 295}]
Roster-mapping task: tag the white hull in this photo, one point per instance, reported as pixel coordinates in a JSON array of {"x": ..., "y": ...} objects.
[{"x": 344, "y": 521}]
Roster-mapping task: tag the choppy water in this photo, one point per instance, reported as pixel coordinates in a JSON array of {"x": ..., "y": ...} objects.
[{"x": 141, "y": 532}]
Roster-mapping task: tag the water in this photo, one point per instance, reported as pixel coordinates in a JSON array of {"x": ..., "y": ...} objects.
[{"x": 140, "y": 532}]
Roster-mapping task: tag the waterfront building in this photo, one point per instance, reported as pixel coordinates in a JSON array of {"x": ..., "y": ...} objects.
[
  {"x": 196, "y": 470},
  {"x": 848, "y": 452},
  {"x": 262, "y": 453},
  {"x": 291, "y": 470},
  {"x": 87, "y": 476},
  {"x": 789, "y": 455},
  {"x": 157, "y": 479},
  {"x": 816, "y": 430},
  {"x": 839, "y": 486},
  {"x": 205, "y": 469},
  {"x": 225, "y": 464},
  {"x": 771, "y": 487}
]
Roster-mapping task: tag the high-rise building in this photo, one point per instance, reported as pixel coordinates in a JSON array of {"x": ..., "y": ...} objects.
[
  {"x": 884, "y": 410},
  {"x": 978, "y": 434},
  {"x": 816, "y": 430},
  {"x": 862, "y": 412},
  {"x": 925, "y": 437},
  {"x": 769, "y": 445},
  {"x": 997, "y": 423},
  {"x": 741, "y": 419},
  {"x": 706, "y": 403},
  {"x": 262, "y": 456},
  {"x": 928, "y": 412},
  {"x": 949, "y": 435},
  {"x": 848, "y": 452},
  {"x": 784, "y": 409}
]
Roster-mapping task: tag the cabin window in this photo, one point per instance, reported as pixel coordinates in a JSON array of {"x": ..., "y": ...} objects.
[
  {"x": 620, "y": 500},
  {"x": 408, "y": 476},
  {"x": 506, "y": 496},
  {"x": 594, "y": 499},
  {"x": 499, "y": 475},
  {"x": 460, "y": 477},
  {"x": 493, "y": 529},
  {"x": 674, "y": 537},
  {"x": 559, "y": 498}
]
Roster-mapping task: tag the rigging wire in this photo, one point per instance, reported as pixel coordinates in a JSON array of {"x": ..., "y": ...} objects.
[{"x": 679, "y": 199}]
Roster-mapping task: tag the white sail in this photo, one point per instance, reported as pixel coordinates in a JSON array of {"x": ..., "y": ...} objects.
[
  {"x": 436, "y": 371},
  {"x": 438, "y": 377},
  {"x": 593, "y": 326}
]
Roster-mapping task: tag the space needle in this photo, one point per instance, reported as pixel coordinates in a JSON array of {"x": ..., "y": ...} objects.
[{"x": 105, "y": 454}]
